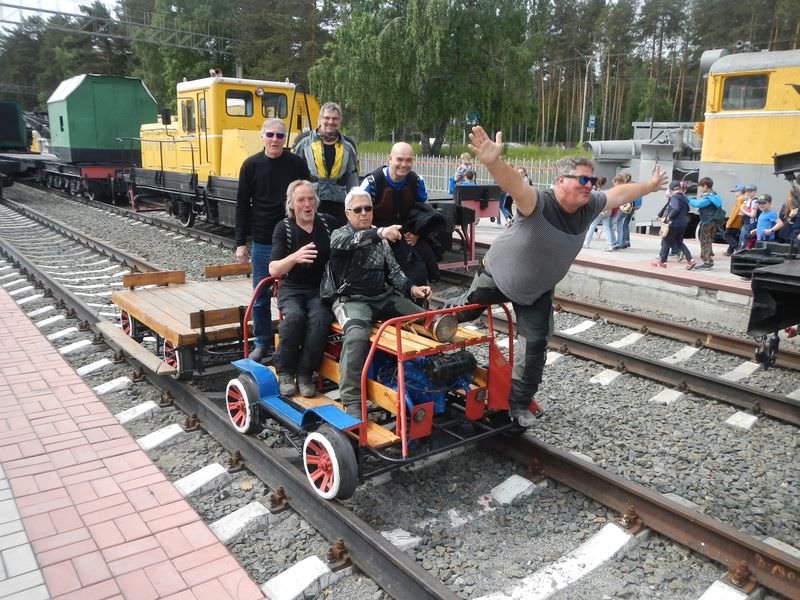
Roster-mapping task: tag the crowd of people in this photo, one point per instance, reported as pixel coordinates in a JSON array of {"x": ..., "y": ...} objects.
[{"x": 359, "y": 253}]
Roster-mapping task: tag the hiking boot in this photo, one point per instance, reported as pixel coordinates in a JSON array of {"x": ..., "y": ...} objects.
[
  {"x": 691, "y": 264},
  {"x": 306, "y": 385},
  {"x": 261, "y": 354},
  {"x": 524, "y": 417},
  {"x": 287, "y": 384},
  {"x": 658, "y": 263},
  {"x": 353, "y": 409}
]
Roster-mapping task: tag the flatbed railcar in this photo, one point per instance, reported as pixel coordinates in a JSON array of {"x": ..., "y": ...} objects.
[{"x": 196, "y": 324}]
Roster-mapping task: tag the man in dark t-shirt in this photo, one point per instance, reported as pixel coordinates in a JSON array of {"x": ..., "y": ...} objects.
[
  {"x": 300, "y": 249},
  {"x": 260, "y": 200},
  {"x": 527, "y": 260}
]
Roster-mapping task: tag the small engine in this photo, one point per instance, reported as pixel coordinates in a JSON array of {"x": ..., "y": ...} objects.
[{"x": 429, "y": 378}]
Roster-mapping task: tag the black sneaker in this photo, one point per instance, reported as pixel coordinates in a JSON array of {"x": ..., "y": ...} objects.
[
  {"x": 262, "y": 354},
  {"x": 287, "y": 384},
  {"x": 353, "y": 409},
  {"x": 306, "y": 385}
]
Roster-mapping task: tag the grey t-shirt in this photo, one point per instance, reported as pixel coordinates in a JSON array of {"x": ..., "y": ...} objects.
[{"x": 533, "y": 255}]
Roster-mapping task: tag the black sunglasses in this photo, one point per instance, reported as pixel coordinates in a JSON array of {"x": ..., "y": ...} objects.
[
  {"x": 276, "y": 134},
  {"x": 359, "y": 209},
  {"x": 583, "y": 179}
]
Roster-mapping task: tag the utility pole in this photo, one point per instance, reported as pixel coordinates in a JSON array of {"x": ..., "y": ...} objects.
[{"x": 585, "y": 85}]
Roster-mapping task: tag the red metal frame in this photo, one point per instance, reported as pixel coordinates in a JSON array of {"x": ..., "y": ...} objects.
[
  {"x": 403, "y": 356},
  {"x": 256, "y": 292}
]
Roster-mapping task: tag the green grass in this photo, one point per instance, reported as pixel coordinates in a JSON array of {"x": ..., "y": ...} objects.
[{"x": 533, "y": 153}]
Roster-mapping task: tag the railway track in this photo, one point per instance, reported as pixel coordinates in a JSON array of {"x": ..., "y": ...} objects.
[
  {"x": 754, "y": 399},
  {"x": 773, "y": 568}
]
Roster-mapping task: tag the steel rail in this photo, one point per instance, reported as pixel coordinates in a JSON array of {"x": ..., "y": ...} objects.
[
  {"x": 126, "y": 258},
  {"x": 780, "y": 407},
  {"x": 773, "y": 568},
  {"x": 676, "y": 331},
  {"x": 392, "y": 569},
  {"x": 730, "y": 344}
]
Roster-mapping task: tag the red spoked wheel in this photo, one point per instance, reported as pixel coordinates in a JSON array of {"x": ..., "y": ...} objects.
[
  {"x": 241, "y": 397},
  {"x": 330, "y": 463},
  {"x": 171, "y": 355},
  {"x": 130, "y": 326},
  {"x": 179, "y": 358}
]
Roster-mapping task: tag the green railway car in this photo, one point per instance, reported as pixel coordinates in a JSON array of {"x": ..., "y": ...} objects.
[
  {"x": 12, "y": 128},
  {"x": 88, "y": 113}
]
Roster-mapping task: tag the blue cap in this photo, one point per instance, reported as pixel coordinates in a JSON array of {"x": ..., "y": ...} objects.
[
  {"x": 750, "y": 186},
  {"x": 738, "y": 188}
]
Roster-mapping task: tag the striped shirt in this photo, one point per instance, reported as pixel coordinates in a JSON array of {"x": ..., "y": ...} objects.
[{"x": 529, "y": 258}]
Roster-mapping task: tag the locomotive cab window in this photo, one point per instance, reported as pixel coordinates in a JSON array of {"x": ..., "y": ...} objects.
[
  {"x": 273, "y": 106},
  {"x": 187, "y": 116},
  {"x": 239, "y": 103},
  {"x": 745, "y": 92}
]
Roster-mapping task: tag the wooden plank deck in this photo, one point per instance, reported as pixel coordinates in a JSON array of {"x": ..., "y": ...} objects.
[{"x": 166, "y": 310}]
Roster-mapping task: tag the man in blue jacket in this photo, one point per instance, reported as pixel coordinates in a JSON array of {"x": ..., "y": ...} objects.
[{"x": 707, "y": 202}]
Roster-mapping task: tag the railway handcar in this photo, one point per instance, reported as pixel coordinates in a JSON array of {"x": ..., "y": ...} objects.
[
  {"x": 752, "y": 113},
  {"x": 423, "y": 392},
  {"x": 194, "y": 161}
]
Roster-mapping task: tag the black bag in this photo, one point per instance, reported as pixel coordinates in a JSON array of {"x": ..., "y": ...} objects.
[{"x": 331, "y": 286}]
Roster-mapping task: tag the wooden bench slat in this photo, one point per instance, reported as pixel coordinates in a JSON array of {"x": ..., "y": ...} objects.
[
  {"x": 230, "y": 270},
  {"x": 154, "y": 278},
  {"x": 377, "y": 393},
  {"x": 212, "y": 318},
  {"x": 133, "y": 349}
]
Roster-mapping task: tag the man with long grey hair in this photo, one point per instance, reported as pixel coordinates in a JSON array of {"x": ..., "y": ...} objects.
[
  {"x": 300, "y": 250},
  {"x": 527, "y": 260}
]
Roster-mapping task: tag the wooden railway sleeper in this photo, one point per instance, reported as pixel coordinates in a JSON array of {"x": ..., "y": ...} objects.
[
  {"x": 741, "y": 577},
  {"x": 338, "y": 556},
  {"x": 278, "y": 500}
]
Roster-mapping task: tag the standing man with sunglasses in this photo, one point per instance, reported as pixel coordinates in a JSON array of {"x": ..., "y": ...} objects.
[
  {"x": 527, "y": 260},
  {"x": 331, "y": 159},
  {"x": 263, "y": 181}
]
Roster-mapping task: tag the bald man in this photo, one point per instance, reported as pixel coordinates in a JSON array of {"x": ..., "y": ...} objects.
[{"x": 395, "y": 188}]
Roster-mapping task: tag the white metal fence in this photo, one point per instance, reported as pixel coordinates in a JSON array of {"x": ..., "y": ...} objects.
[{"x": 437, "y": 170}]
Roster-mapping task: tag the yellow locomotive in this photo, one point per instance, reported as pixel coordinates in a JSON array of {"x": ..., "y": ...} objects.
[
  {"x": 752, "y": 113},
  {"x": 193, "y": 162}
]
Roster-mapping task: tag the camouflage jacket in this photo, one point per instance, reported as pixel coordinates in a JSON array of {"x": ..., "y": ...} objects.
[{"x": 362, "y": 264}]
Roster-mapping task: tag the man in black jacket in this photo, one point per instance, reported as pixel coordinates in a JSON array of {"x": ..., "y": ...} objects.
[
  {"x": 263, "y": 181},
  {"x": 370, "y": 285}
]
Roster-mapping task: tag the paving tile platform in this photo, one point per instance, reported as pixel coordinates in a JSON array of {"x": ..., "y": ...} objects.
[{"x": 84, "y": 513}]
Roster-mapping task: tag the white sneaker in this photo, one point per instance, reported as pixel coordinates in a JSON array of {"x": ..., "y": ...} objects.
[{"x": 523, "y": 417}]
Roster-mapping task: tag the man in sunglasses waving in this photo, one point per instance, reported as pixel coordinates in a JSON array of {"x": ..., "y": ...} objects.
[
  {"x": 263, "y": 181},
  {"x": 527, "y": 260}
]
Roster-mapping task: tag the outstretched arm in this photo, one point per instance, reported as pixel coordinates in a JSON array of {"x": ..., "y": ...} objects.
[
  {"x": 619, "y": 195},
  {"x": 488, "y": 152}
]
